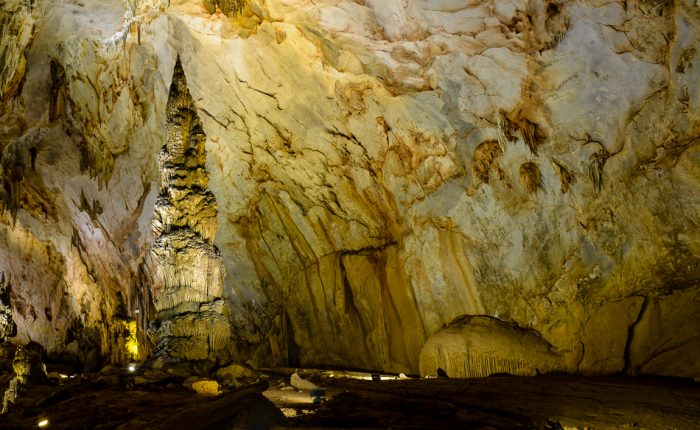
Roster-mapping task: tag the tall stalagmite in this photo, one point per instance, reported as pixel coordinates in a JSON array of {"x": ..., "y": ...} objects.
[{"x": 191, "y": 313}]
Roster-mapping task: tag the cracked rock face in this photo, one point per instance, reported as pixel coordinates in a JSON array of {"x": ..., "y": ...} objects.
[{"x": 359, "y": 175}]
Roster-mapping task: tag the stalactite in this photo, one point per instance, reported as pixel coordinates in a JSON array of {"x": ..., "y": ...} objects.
[
  {"x": 474, "y": 364},
  {"x": 531, "y": 135},
  {"x": 229, "y": 8},
  {"x": 57, "y": 91},
  {"x": 557, "y": 25},
  {"x": 11, "y": 174},
  {"x": 565, "y": 177},
  {"x": 505, "y": 130},
  {"x": 485, "y": 159},
  {"x": 530, "y": 176},
  {"x": 595, "y": 169}
]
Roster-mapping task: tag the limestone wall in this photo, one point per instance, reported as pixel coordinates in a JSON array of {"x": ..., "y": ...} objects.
[{"x": 379, "y": 168}]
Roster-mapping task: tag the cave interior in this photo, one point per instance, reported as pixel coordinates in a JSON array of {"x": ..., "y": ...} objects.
[{"x": 406, "y": 214}]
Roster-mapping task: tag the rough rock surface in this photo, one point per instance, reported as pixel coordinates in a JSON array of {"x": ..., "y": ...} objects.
[
  {"x": 16, "y": 30},
  {"x": 477, "y": 346},
  {"x": 606, "y": 334},
  {"x": 658, "y": 347},
  {"x": 27, "y": 368},
  {"x": 7, "y": 324},
  {"x": 191, "y": 315},
  {"x": 379, "y": 168}
]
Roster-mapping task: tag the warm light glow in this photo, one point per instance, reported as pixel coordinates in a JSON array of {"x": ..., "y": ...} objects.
[
  {"x": 63, "y": 376},
  {"x": 289, "y": 412},
  {"x": 132, "y": 343},
  {"x": 363, "y": 376},
  {"x": 292, "y": 413},
  {"x": 43, "y": 423},
  {"x": 132, "y": 368}
]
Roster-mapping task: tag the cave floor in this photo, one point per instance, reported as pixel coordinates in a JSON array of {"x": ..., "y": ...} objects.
[{"x": 502, "y": 402}]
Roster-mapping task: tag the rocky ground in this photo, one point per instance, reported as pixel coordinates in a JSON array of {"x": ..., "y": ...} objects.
[{"x": 113, "y": 400}]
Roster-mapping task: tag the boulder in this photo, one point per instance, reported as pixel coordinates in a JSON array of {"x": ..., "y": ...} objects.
[
  {"x": 480, "y": 346},
  {"x": 300, "y": 383},
  {"x": 205, "y": 387},
  {"x": 28, "y": 365},
  {"x": 235, "y": 371}
]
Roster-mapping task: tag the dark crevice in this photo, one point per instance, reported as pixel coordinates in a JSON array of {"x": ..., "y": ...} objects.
[
  {"x": 293, "y": 350},
  {"x": 630, "y": 335}
]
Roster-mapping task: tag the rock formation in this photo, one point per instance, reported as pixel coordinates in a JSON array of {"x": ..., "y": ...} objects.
[
  {"x": 478, "y": 346},
  {"x": 7, "y": 324},
  {"x": 227, "y": 7},
  {"x": 191, "y": 314},
  {"x": 28, "y": 368},
  {"x": 361, "y": 174}
]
